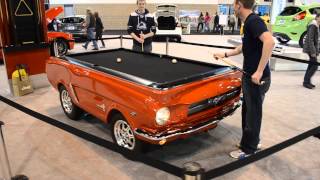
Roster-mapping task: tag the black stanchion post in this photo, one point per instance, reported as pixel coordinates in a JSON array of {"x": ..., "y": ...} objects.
[
  {"x": 193, "y": 171},
  {"x": 121, "y": 41},
  {"x": 17, "y": 177},
  {"x": 167, "y": 46}
]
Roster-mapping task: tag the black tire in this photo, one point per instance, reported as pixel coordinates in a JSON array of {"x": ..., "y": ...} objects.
[
  {"x": 70, "y": 109},
  {"x": 283, "y": 41},
  {"x": 118, "y": 120},
  {"x": 179, "y": 39},
  {"x": 302, "y": 39},
  {"x": 62, "y": 47}
]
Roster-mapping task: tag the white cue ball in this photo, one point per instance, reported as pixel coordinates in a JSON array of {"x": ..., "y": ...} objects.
[
  {"x": 119, "y": 60},
  {"x": 174, "y": 61}
]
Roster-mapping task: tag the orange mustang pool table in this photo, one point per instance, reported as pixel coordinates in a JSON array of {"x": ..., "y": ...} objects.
[{"x": 145, "y": 97}]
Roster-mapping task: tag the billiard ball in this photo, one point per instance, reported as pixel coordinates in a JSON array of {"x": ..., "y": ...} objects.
[
  {"x": 174, "y": 61},
  {"x": 119, "y": 60}
]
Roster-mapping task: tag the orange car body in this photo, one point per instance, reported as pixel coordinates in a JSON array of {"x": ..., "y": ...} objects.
[
  {"x": 52, "y": 35},
  {"x": 55, "y": 35},
  {"x": 90, "y": 88}
]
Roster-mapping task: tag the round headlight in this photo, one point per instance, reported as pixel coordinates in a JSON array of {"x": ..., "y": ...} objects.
[{"x": 162, "y": 116}]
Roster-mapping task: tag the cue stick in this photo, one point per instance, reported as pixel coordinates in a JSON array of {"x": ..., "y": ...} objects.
[
  {"x": 232, "y": 65},
  {"x": 142, "y": 44}
]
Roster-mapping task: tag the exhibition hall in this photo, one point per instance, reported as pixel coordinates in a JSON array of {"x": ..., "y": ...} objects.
[{"x": 159, "y": 89}]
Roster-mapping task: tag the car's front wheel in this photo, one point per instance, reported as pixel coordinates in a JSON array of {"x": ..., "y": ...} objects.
[
  {"x": 282, "y": 41},
  {"x": 122, "y": 134},
  {"x": 62, "y": 47},
  {"x": 302, "y": 39}
]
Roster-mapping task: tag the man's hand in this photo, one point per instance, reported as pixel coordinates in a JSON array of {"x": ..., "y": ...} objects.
[
  {"x": 218, "y": 56},
  {"x": 140, "y": 40},
  {"x": 143, "y": 36},
  {"x": 256, "y": 77}
]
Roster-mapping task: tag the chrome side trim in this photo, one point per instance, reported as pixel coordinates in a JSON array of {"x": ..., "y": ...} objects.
[{"x": 175, "y": 134}]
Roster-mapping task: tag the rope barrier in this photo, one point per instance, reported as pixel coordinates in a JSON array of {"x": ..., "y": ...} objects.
[{"x": 166, "y": 167}]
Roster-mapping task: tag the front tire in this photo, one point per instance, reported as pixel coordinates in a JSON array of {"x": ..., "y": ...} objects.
[
  {"x": 70, "y": 109},
  {"x": 122, "y": 134},
  {"x": 62, "y": 47},
  {"x": 282, "y": 41},
  {"x": 302, "y": 39}
]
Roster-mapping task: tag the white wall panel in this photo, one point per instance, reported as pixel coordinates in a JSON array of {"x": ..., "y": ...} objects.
[{"x": 132, "y": 1}]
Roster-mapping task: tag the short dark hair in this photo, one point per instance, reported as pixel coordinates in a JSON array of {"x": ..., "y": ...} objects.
[
  {"x": 248, "y": 4},
  {"x": 318, "y": 15},
  {"x": 140, "y": 0}
]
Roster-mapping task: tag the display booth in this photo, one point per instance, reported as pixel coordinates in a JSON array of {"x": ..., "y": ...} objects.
[{"x": 23, "y": 38}]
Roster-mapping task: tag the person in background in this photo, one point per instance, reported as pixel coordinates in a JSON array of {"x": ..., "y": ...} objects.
[
  {"x": 232, "y": 22},
  {"x": 200, "y": 22},
  {"x": 99, "y": 29},
  {"x": 141, "y": 27},
  {"x": 239, "y": 23},
  {"x": 90, "y": 24},
  {"x": 216, "y": 23},
  {"x": 311, "y": 47},
  {"x": 53, "y": 25},
  {"x": 207, "y": 19}
]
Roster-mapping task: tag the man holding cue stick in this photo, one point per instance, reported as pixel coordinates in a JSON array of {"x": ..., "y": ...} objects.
[
  {"x": 141, "y": 27},
  {"x": 257, "y": 46}
]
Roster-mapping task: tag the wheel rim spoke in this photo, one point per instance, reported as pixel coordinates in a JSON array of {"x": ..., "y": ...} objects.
[
  {"x": 66, "y": 101},
  {"x": 123, "y": 135}
]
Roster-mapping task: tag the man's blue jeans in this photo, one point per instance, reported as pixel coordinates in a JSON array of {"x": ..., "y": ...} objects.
[
  {"x": 253, "y": 96},
  {"x": 91, "y": 37}
]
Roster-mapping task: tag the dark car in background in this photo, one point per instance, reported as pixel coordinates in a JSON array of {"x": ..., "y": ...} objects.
[{"x": 74, "y": 25}]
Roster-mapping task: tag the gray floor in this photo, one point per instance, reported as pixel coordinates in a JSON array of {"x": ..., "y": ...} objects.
[{"x": 44, "y": 152}]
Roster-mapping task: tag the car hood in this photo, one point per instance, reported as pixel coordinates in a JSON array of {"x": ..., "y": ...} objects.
[{"x": 53, "y": 13}]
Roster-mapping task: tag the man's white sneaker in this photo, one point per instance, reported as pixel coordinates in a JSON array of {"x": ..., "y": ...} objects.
[
  {"x": 238, "y": 154},
  {"x": 259, "y": 147}
]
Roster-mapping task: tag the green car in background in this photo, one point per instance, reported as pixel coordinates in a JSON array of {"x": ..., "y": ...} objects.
[{"x": 292, "y": 23}]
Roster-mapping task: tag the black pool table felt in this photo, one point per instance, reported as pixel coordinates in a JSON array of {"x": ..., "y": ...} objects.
[{"x": 150, "y": 67}]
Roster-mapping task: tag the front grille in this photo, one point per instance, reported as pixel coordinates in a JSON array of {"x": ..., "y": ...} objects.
[{"x": 212, "y": 102}]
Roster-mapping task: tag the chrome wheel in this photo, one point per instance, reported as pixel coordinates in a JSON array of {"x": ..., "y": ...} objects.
[
  {"x": 124, "y": 135},
  {"x": 62, "y": 47},
  {"x": 66, "y": 101}
]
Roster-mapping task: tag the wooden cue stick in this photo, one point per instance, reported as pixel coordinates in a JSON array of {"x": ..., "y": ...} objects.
[
  {"x": 232, "y": 64},
  {"x": 142, "y": 45}
]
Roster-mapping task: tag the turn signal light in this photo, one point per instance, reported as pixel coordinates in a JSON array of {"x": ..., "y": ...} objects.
[{"x": 162, "y": 142}]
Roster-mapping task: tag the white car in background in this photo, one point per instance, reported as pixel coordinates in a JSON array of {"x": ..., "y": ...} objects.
[{"x": 166, "y": 18}]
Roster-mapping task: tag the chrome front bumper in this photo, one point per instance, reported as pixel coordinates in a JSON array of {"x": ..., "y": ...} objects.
[{"x": 189, "y": 130}]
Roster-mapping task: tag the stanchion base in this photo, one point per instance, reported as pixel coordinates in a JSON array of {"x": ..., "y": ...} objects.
[{"x": 20, "y": 177}]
